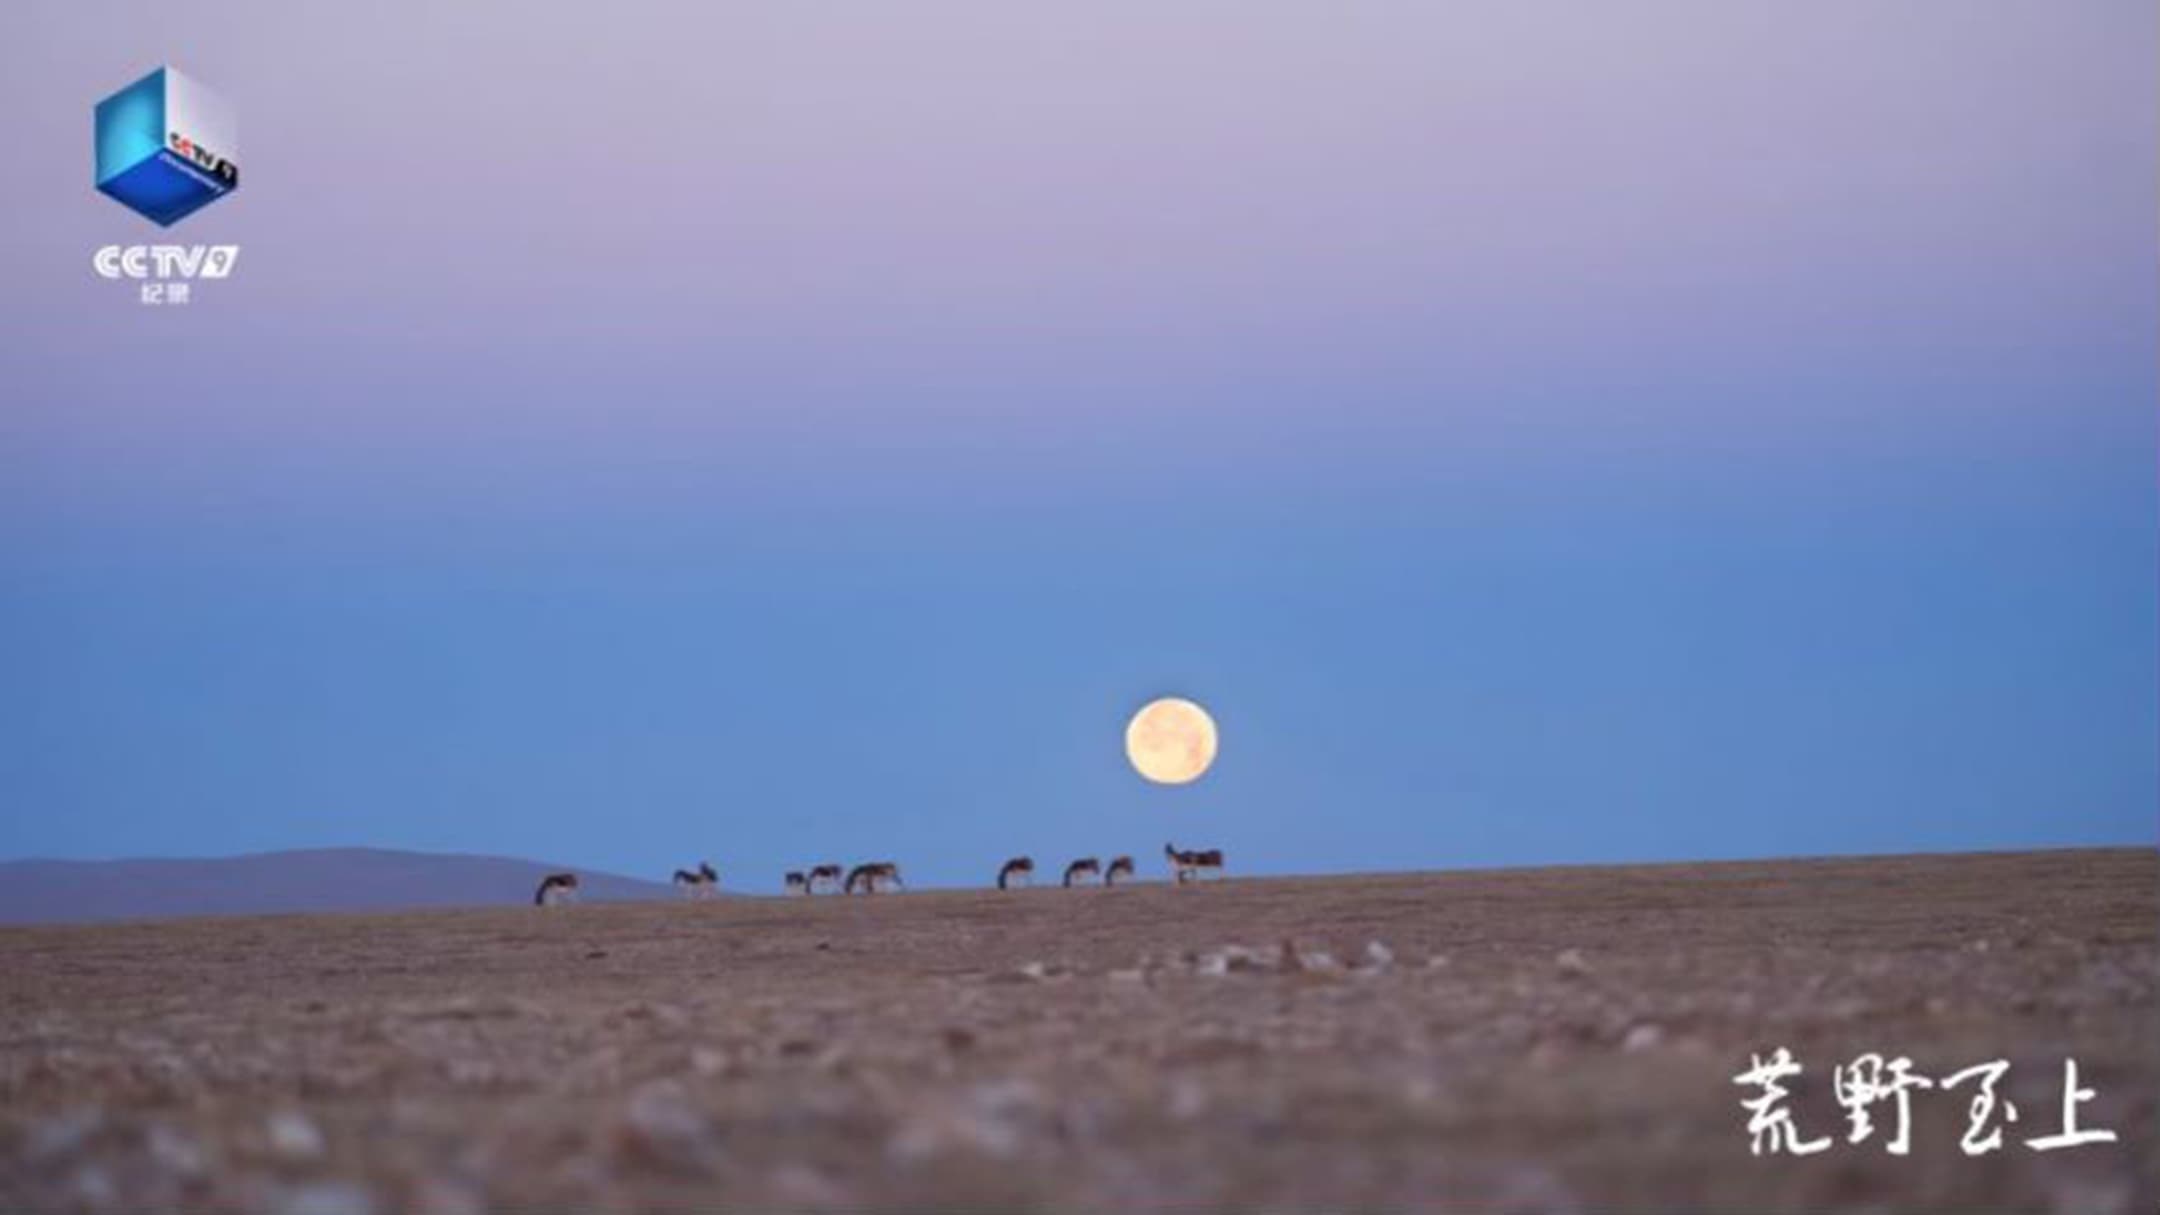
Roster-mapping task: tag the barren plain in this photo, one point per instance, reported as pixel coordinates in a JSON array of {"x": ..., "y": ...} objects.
[{"x": 1530, "y": 1040}]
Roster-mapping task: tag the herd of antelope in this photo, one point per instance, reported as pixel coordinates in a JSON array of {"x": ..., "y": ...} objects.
[{"x": 874, "y": 876}]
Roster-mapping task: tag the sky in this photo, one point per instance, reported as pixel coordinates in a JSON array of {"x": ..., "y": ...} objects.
[{"x": 1540, "y": 433}]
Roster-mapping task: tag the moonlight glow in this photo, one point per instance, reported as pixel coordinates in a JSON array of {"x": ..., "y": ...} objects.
[{"x": 1171, "y": 741}]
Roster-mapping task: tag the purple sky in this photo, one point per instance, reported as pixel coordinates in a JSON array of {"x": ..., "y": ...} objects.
[{"x": 1541, "y": 432}]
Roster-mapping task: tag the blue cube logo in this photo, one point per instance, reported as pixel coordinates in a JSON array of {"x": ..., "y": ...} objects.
[{"x": 166, "y": 147}]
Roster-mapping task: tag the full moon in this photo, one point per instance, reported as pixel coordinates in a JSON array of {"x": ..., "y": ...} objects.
[{"x": 1171, "y": 741}]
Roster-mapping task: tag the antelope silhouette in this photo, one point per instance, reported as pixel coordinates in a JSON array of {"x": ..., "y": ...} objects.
[
  {"x": 700, "y": 884},
  {"x": 1020, "y": 869},
  {"x": 869, "y": 874},
  {"x": 556, "y": 888},
  {"x": 1188, "y": 865}
]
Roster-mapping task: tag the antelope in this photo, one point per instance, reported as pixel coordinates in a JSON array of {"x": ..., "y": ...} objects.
[
  {"x": 699, "y": 885},
  {"x": 868, "y": 874},
  {"x": 796, "y": 883},
  {"x": 822, "y": 873},
  {"x": 1187, "y": 865},
  {"x": 556, "y": 888},
  {"x": 1086, "y": 866},
  {"x": 1020, "y": 869},
  {"x": 1119, "y": 867}
]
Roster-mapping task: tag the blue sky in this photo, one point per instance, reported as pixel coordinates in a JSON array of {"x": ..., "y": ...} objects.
[{"x": 776, "y": 436}]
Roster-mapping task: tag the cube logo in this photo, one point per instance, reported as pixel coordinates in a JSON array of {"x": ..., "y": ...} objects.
[{"x": 166, "y": 147}]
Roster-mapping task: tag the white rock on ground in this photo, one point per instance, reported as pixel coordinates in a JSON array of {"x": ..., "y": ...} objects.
[{"x": 294, "y": 1136}]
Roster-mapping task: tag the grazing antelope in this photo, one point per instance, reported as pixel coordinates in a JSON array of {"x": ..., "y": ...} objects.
[
  {"x": 1188, "y": 865},
  {"x": 699, "y": 885},
  {"x": 869, "y": 874},
  {"x": 1120, "y": 867},
  {"x": 1086, "y": 866},
  {"x": 796, "y": 883},
  {"x": 1020, "y": 869},
  {"x": 556, "y": 888},
  {"x": 822, "y": 873}
]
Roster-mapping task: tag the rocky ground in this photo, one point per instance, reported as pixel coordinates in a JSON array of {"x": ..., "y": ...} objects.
[{"x": 1553, "y": 1040}]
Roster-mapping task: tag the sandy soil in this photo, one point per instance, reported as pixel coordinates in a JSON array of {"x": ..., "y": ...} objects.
[{"x": 1554, "y": 1040}]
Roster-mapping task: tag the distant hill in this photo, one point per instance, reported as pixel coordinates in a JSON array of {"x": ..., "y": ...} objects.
[{"x": 323, "y": 879}]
